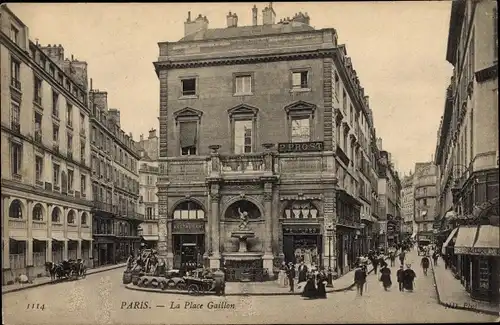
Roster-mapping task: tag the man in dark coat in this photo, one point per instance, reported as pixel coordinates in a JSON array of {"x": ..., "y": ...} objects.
[
  {"x": 435, "y": 256},
  {"x": 302, "y": 272},
  {"x": 400, "y": 278},
  {"x": 425, "y": 264},
  {"x": 408, "y": 278},
  {"x": 360, "y": 279},
  {"x": 402, "y": 256},
  {"x": 290, "y": 273}
]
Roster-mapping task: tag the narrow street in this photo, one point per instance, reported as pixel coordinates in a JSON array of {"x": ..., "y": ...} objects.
[{"x": 99, "y": 298}]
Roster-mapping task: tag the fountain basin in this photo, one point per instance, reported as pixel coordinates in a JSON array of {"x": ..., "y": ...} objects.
[
  {"x": 243, "y": 235},
  {"x": 245, "y": 256}
]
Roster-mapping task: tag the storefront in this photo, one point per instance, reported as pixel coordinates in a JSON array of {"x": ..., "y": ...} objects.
[
  {"x": 188, "y": 238},
  {"x": 302, "y": 243},
  {"x": 348, "y": 226}
]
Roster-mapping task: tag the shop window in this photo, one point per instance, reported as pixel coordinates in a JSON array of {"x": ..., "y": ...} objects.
[
  {"x": 189, "y": 210},
  {"x": 484, "y": 274},
  {"x": 300, "y": 210}
]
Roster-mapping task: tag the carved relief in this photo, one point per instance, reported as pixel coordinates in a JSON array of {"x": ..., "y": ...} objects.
[
  {"x": 242, "y": 187},
  {"x": 215, "y": 197},
  {"x": 268, "y": 196}
]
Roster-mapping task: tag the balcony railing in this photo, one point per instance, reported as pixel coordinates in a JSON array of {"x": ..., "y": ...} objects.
[
  {"x": 187, "y": 169},
  {"x": 17, "y": 224},
  {"x": 247, "y": 163},
  {"x": 15, "y": 126},
  {"x": 15, "y": 83}
]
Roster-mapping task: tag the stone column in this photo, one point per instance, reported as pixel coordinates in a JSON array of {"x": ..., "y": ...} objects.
[
  {"x": 268, "y": 238},
  {"x": 29, "y": 253},
  {"x": 329, "y": 214},
  {"x": 6, "y": 233},
  {"x": 48, "y": 247},
  {"x": 164, "y": 234},
  {"x": 215, "y": 226},
  {"x": 276, "y": 226}
]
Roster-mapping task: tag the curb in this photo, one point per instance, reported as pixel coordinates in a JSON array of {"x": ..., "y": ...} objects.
[
  {"x": 95, "y": 271},
  {"x": 455, "y": 306},
  {"x": 130, "y": 286}
]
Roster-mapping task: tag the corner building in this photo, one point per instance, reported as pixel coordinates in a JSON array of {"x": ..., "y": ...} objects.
[
  {"x": 45, "y": 154},
  {"x": 259, "y": 119}
]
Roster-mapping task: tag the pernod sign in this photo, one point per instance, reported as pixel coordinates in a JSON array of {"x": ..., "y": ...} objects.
[{"x": 301, "y": 146}]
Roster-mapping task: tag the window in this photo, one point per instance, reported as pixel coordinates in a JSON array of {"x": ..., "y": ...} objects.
[
  {"x": 14, "y": 34},
  {"x": 55, "y": 133},
  {"x": 70, "y": 179},
  {"x": 69, "y": 115},
  {"x": 38, "y": 212},
  {"x": 425, "y": 202},
  {"x": 149, "y": 213},
  {"x": 243, "y": 136},
  {"x": 69, "y": 137},
  {"x": 188, "y": 133},
  {"x": 301, "y": 129},
  {"x": 38, "y": 90},
  {"x": 84, "y": 219},
  {"x": 83, "y": 184},
  {"x": 344, "y": 100},
  {"x": 71, "y": 217},
  {"x": 82, "y": 151},
  {"x": 15, "y": 116},
  {"x": 15, "y": 74},
  {"x": 52, "y": 71},
  {"x": 16, "y": 162},
  {"x": 188, "y": 87},
  {"x": 38, "y": 168},
  {"x": 243, "y": 84},
  {"x": 337, "y": 84},
  {"x": 82, "y": 123},
  {"x": 55, "y": 102},
  {"x": 300, "y": 80},
  {"x": 55, "y": 173}
]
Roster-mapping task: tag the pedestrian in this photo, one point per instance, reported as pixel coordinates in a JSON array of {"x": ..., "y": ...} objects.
[
  {"x": 360, "y": 278},
  {"x": 409, "y": 278},
  {"x": 392, "y": 256},
  {"x": 385, "y": 277},
  {"x": 375, "y": 261},
  {"x": 310, "y": 290},
  {"x": 400, "y": 277},
  {"x": 425, "y": 264},
  {"x": 402, "y": 256},
  {"x": 291, "y": 275},
  {"x": 302, "y": 272},
  {"x": 446, "y": 259},
  {"x": 435, "y": 257},
  {"x": 321, "y": 283}
]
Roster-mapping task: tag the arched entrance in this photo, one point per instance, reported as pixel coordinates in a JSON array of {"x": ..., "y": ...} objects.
[{"x": 188, "y": 235}]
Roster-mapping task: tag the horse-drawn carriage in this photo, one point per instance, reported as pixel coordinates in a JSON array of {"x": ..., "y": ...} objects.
[{"x": 67, "y": 269}]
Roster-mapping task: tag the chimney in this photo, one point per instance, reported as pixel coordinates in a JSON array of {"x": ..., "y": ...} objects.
[
  {"x": 55, "y": 53},
  {"x": 254, "y": 15},
  {"x": 141, "y": 137},
  {"x": 114, "y": 115},
  {"x": 268, "y": 15},
  {"x": 367, "y": 101},
  {"x": 192, "y": 27},
  {"x": 232, "y": 20},
  {"x": 77, "y": 71},
  {"x": 379, "y": 143},
  {"x": 100, "y": 100}
]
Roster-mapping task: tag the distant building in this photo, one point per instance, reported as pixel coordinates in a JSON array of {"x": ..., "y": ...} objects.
[
  {"x": 115, "y": 184},
  {"x": 46, "y": 154},
  {"x": 426, "y": 209},
  {"x": 148, "y": 176},
  {"x": 407, "y": 205}
]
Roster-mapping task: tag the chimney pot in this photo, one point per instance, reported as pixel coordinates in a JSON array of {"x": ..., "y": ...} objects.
[{"x": 189, "y": 16}]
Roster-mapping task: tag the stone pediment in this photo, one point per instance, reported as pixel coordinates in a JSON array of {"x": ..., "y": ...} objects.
[
  {"x": 243, "y": 109},
  {"x": 300, "y": 106},
  {"x": 188, "y": 112}
]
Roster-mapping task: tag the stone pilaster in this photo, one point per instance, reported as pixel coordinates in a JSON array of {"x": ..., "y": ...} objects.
[
  {"x": 330, "y": 220},
  {"x": 327, "y": 96},
  {"x": 6, "y": 233},
  {"x": 29, "y": 253},
  {"x": 79, "y": 249},
  {"x": 277, "y": 245},
  {"x": 215, "y": 225},
  {"x": 268, "y": 250}
]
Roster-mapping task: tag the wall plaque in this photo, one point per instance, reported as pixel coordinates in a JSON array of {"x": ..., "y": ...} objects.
[
  {"x": 301, "y": 146},
  {"x": 301, "y": 230},
  {"x": 188, "y": 227}
]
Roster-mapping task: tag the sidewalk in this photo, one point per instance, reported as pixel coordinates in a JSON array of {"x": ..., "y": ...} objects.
[
  {"x": 46, "y": 280},
  {"x": 452, "y": 294},
  {"x": 268, "y": 288}
]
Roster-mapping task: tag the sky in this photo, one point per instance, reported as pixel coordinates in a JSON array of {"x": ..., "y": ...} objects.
[{"x": 397, "y": 48}]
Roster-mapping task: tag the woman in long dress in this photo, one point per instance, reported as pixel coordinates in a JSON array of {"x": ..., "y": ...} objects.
[
  {"x": 321, "y": 284},
  {"x": 282, "y": 278},
  {"x": 385, "y": 277},
  {"x": 310, "y": 290}
]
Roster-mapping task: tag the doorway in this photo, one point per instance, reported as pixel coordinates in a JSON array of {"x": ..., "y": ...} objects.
[
  {"x": 188, "y": 251},
  {"x": 303, "y": 248}
]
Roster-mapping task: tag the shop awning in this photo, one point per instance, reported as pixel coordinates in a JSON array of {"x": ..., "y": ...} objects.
[
  {"x": 58, "y": 238},
  {"x": 86, "y": 236},
  {"x": 488, "y": 241},
  {"x": 465, "y": 239},
  {"x": 151, "y": 237},
  {"x": 73, "y": 236},
  {"x": 18, "y": 238},
  {"x": 448, "y": 240},
  {"x": 40, "y": 238}
]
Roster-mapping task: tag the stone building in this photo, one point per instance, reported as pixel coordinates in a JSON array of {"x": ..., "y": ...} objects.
[
  {"x": 426, "y": 213},
  {"x": 261, "y": 121},
  {"x": 467, "y": 149},
  {"x": 407, "y": 204},
  {"x": 115, "y": 184},
  {"x": 148, "y": 176},
  {"x": 45, "y": 149}
]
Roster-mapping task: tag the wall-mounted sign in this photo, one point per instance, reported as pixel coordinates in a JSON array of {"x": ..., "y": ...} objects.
[
  {"x": 188, "y": 227},
  {"x": 301, "y": 230},
  {"x": 301, "y": 146}
]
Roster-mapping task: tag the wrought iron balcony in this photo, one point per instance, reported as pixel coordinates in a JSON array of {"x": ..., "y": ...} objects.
[{"x": 15, "y": 83}]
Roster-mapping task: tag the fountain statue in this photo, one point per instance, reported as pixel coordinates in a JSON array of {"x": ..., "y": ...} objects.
[{"x": 243, "y": 232}]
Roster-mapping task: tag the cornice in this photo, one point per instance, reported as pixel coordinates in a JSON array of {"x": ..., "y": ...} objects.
[{"x": 24, "y": 55}]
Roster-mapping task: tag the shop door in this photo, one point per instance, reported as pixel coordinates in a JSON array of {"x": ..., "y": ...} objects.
[{"x": 288, "y": 249}]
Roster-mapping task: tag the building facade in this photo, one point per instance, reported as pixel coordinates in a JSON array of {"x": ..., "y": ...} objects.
[
  {"x": 45, "y": 145},
  {"x": 426, "y": 213},
  {"x": 115, "y": 184},
  {"x": 271, "y": 132},
  {"x": 467, "y": 149},
  {"x": 148, "y": 176},
  {"x": 407, "y": 205}
]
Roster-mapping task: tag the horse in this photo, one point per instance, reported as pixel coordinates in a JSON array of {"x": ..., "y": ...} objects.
[{"x": 55, "y": 270}]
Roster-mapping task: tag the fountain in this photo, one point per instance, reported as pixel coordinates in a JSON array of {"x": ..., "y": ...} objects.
[{"x": 243, "y": 233}]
